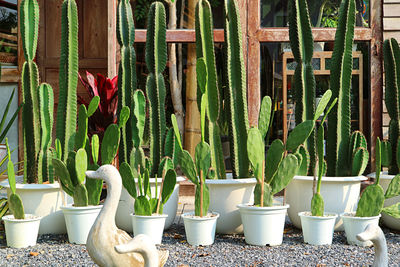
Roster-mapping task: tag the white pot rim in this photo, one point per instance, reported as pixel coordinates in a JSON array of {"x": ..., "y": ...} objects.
[
  {"x": 190, "y": 216},
  {"x": 54, "y": 185},
  {"x": 351, "y": 215},
  {"x": 159, "y": 179},
  {"x": 70, "y": 207},
  {"x": 384, "y": 175},
  {"x": 231, "y": 181},
  {"x": 153, "y": 216},
  {"x": 248, "y": 206},
  {"x": 327, "y": 215},
  {"x": 3, "y": 146},
  {"x": 32, "y": 218},
  {"x": 334, "y": 179}
]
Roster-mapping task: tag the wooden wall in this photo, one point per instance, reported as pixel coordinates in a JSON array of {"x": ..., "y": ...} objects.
[{"x": 391, "y": 27}]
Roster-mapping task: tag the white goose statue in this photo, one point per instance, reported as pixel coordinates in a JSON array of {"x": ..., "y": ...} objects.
[
  {"x": 375, "y": 234},
  {"x": 104, "y": 234}
]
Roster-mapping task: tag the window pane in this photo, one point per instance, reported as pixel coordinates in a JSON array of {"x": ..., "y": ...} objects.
[
  {"x": 274, "y": 13},
  {"x": 8, "y": 32}
]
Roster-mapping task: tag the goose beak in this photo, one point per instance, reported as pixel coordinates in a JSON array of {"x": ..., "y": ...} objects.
[{"x": 92, "y": 174}]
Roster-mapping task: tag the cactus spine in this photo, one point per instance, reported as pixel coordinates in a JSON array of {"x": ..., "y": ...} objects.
[
  {"x": 391, "y": 54},
  {"x": 302, "y": 44},
  {"x": 37, "y": 114},
  {"x": 237, "y": 91},
  {"x": 156, "y": 60},
  {"x": 67, "y": 106},
  {"x": 209, "y": 86},
  {"x": 126, "y": 76}
]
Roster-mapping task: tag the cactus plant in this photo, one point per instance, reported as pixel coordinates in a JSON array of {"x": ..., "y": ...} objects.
[
  {"x": 207, "y": 81},
  {"x": 14, "y": 201},
  {"x": 37, "y": 113},
  {"x": 126, "y": 75},
  {"x": 236, "y": 91},
  {"x": 156, "y": 60},
  {"x": 302, "y": 44},
  {"x": 373, "y": 197},
  {"x": 391, "y": 53}
]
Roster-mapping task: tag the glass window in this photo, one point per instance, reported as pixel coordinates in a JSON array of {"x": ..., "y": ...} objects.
[{"x": 8, "y": 32}]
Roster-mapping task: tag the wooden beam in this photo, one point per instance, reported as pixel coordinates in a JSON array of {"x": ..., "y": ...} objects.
[
  {"x": 180, "y": 36},
  {"x": 112, "y": 38}
]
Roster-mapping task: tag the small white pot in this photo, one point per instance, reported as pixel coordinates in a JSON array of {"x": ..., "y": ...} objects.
[
  {"x": 200, "y": 231},
  {"x": 126, "y": 205},
  {"x": 355, "y": 225},
  {"x": 21, "y": 233},
  {"x": 225, "y": 195},
  {"x": 79, "y": 221},
  {"x": 340, "y": 195},
  {"x": 43, "y": 200},
  {"x": 152, "y": 226},
  {"x": 318, "y": 230},
  {"x": 263, "y": 225},
  {"x": 387, "y": 220}
]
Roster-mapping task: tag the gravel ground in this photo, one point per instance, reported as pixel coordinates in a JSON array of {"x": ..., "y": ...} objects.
[{"x": 228, "y": 250}]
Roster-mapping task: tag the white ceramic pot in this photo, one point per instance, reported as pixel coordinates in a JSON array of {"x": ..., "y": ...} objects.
[
  {"x": 79, "y": 221},
  {"x": 387, "y": 220},
  {"x": 318, "y": 230},
  {"x": 200, "y": 231},
  {"x": 340, "y": 195},
  {"x": 225, "y": 195},
  {"x": 43, "y": 200},
  {"x": 21, "y": 233},
  {"x": 263, "y": 225},
  {"x": 152, "y": 226},
  {"x": 355, "y": 225},
  {"x": 126, "y": 204}
]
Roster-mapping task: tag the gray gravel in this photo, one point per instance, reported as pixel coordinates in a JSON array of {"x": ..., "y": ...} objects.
[{"x": 228, "y": 250}]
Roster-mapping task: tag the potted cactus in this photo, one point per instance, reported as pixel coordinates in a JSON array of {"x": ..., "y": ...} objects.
[
  {"x": 148, "y": 217},
  {"x": 318, "y": 225},
  {"x": 347, "y": 154},
  {"x": 371, "y": 204},
  {"x": 200, "y": 225},
  {"x": 21, "y": 229},
  {"x": 264, "y": 221},
  {"x": 162, "y": 142}
]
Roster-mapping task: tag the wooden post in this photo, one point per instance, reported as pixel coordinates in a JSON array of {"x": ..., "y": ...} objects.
[{"x": 112, "y": 38}]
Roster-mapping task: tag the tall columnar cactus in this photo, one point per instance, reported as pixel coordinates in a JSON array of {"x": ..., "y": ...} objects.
[
  {"x": 207, "y": 81},
  {"x": 37, "y": 114},
  {"x": 236, "y": 91},
  {"x": 68, "y": 79},
  {"x": 302, "y": 44},
  {"x": 126, "y": 76},
  {"x": 391, "y": 54},
  {"x": 156, "y": 60}
]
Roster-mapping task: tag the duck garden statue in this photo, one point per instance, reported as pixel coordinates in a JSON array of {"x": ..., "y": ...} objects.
[
  {"x": 375, "y": 234},
  {"x": 104, "y": 234}
]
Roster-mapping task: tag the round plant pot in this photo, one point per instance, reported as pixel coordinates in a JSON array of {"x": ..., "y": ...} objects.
[
  {"x": 21, "y": 233},
  {"x": 340, "y": 195},
  {"x": 152, "y": 226},
  {"x": 126, "y": 204},
  {"x": 200, "y": 231},
  {"x": 79, "y": 221},
  {"x": 355, "y": 225},
  {"x": 387, "y": 220},
  {"x": 225, "y": 195},
  {"x": 318, "y": 230},
  {"x": 43, "y": 200},
  {"x": 263, "y": 225}
]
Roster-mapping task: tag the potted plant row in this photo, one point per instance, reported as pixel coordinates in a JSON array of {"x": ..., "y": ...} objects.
[{"x": 345, "y": 163}]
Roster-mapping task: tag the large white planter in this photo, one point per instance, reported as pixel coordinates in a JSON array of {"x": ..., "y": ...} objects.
[
  {"x": 79, "y": 221},
  {"x": 356, "y": 225},
  {"x": 387, "y": 220},
  {"x": 126, "y": 204},
  {"x": 263, "y": 225},
  {"x": 152, "y": 226},
  {"x": 225, "y": 195},
  {"x": 200, "y": 231},
  {"x": 43, "y": 200},
  {"x": 21, "y": 233},
  {"x": 318, "y": 230},
  {"x": 340, "y": 195}
]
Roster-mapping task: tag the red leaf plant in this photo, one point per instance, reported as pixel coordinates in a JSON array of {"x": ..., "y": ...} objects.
[{"x": 107, "y": 90}]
